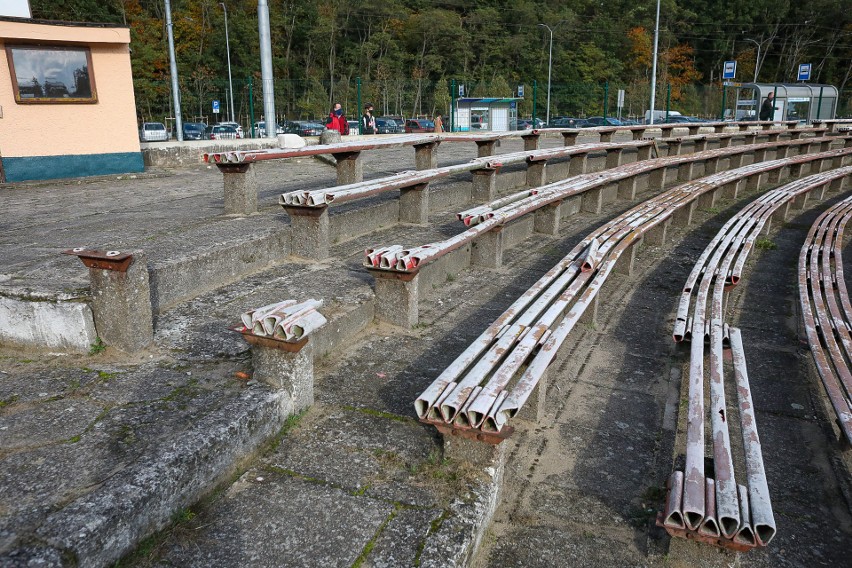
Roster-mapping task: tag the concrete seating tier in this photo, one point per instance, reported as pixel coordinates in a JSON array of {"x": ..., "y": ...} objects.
[
  {"x": 496, "y": 376},
  {"x": 398, "y": 270},
  {"x": 724, "y": 508},
  {"x": 826, "y": 310}
]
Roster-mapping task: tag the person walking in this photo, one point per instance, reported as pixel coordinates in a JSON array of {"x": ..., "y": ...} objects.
[
  {"x": 768, "y": 108},
  {"x": 439, "y": 123},
  {"x": 368, "y": 121},
  {"x": 337, "y": 120}
]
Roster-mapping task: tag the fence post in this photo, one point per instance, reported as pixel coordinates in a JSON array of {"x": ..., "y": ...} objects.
[
  {"x": 251, "y": 105},
  {"x": 606, "y": 99},
  {"x": 819, "y": 103},
  {"x": 360, "y": 122},
  {"x": 535, "y": 98},
  {"x": 452, "y": 105},
  {"x": 668, "y": 99},
  {"x": 724, "y": 102}
]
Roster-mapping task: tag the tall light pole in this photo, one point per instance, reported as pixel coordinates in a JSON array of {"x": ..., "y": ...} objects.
[
  {"x": 654, "y": 67},
  {"x": 266, "y": 68},
  {"x": 756, "y": 59},
  {"x": 549, "y": 68},
  {"x": 228, "y": 50},
  {"x": 173, "y": 69}
]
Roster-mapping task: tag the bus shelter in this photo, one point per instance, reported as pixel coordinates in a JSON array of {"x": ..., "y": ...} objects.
[
  {"x": 805, "y": 102},
  {"x": 486, "y": 114}
]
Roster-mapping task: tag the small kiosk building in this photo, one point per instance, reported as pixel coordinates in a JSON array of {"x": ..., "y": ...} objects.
[
  {"x": 793, "y": 101},
  {"x": 488, "y": 114}
]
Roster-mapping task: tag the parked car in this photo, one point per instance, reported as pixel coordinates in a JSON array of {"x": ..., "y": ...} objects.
[
  {"x": 527, "y": 123},
  {"x": 260, "y": 129},
  {"x": 235, "y": 125},
  {"x": 601, "y": 121},
  {"x": 676, "y": 119},
  {"x": 566, "y": 122},
  {"x": 308, "y": 128},
  {"x": 387, "y": 125},
  {"x": 194, "y": 131},
  {"x": 417, "y": 125},
  {"x": 153, "y": 132},
  {"x": 629, "y": 122},
  {"x": 222, "y": 132}
]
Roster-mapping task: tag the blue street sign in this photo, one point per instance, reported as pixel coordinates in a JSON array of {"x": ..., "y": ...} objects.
[
  {"x": 513, "y": 104},
  {"x": 215, "y": 107},
  {"x": 804, "y": 72},
  {"x": 520, "y": 91},
  {"x": 729, "y": 70},
  {"x": 461, "y": 90}
]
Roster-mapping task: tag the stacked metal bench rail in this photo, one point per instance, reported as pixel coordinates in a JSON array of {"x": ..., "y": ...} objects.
[
  {"x": 493, "y": 216},
  {"x": 607, "y": 132},
  {"x": 826, "y": 309},
  {"x": 309, "y": 209},
  {"x": 716, "y": 508},
  {"x": 493, "y": 378}
]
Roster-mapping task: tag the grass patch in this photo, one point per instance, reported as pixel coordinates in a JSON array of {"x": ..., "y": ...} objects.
[
  {"x": 379, "y": 414},
  {"x": 290, "y": 424},
  {"x": 451, "y": 277},
  {"x": 7, "y": 401},
  {"x": 105, "y": 376},
  {"x": 368, "y": 548},
  {"x": 433, "y": 528},
  {"x": 97, "y": 347},
  {"x": 765, "y": 244}
]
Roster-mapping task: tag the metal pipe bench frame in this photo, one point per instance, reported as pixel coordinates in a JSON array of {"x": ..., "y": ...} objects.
[
  {"x": 716, "y": 509},
  {"x": 826, "y": 309},
  {"x": 638, "y": 131},
  {"x": 478, "y": 408},
  {"x": 408, "y": 260}
]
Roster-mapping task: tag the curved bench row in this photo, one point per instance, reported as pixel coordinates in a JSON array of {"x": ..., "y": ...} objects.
[
  {"x": 481, "y": 220},
  {"x": 493, "y": 378},
  {"x": 716, "y": 508},
  {"x": 826, "y": 309}
]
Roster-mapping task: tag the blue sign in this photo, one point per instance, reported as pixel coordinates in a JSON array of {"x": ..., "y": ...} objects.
[
  {"x": 461, "y": 90},
  {"x": 804, "y": 71},
  {"x": 215, "y": 107},
  {"x": 520, "y": 91},
  {"x": 729, "y": 70},
  {"x": 513, "y": 104}
]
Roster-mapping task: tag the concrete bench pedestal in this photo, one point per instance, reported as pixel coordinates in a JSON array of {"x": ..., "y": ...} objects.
[
  {"x": 240, "y": 186},
  {"x": 285, "y": 366}
]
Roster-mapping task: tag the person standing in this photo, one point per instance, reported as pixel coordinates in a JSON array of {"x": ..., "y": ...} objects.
[
  {"x": 439, "y": 123},
  {"x": 337, "y": 120},
  {"x": 368, "y": 121},
  {"x": 768, "y": 108}
]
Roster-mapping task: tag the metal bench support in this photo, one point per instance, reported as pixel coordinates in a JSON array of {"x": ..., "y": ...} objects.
[{"x": 240, "y": 186}]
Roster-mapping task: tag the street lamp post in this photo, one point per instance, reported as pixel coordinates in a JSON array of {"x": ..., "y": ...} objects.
[
  {"x": 549, "y": 68},
  {"x": 654, "y": 67},
  {"x": 228, "y": 50},
  {"x": 756, "y": 59}
]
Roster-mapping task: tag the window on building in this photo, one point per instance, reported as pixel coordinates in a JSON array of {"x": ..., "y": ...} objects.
[{"x": 54, "y": 74}]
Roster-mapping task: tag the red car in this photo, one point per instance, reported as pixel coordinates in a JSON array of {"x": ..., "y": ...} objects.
[{"x": 417, "y": 125}]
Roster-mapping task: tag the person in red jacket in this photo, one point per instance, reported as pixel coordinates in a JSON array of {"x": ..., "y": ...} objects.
[{"x": 337, "y": 120}]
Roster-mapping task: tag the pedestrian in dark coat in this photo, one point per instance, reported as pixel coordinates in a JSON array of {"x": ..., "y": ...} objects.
[{"x": 768, "y": 108}]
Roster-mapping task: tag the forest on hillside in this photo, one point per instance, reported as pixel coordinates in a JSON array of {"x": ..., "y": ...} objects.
[{"x": 406, "y": 52}]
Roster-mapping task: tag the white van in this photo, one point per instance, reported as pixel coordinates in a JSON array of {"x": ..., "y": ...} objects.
[{"x": 659, "y": 115}]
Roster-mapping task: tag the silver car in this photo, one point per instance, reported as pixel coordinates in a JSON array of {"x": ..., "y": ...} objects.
[{"x": 153, "y": 132}]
